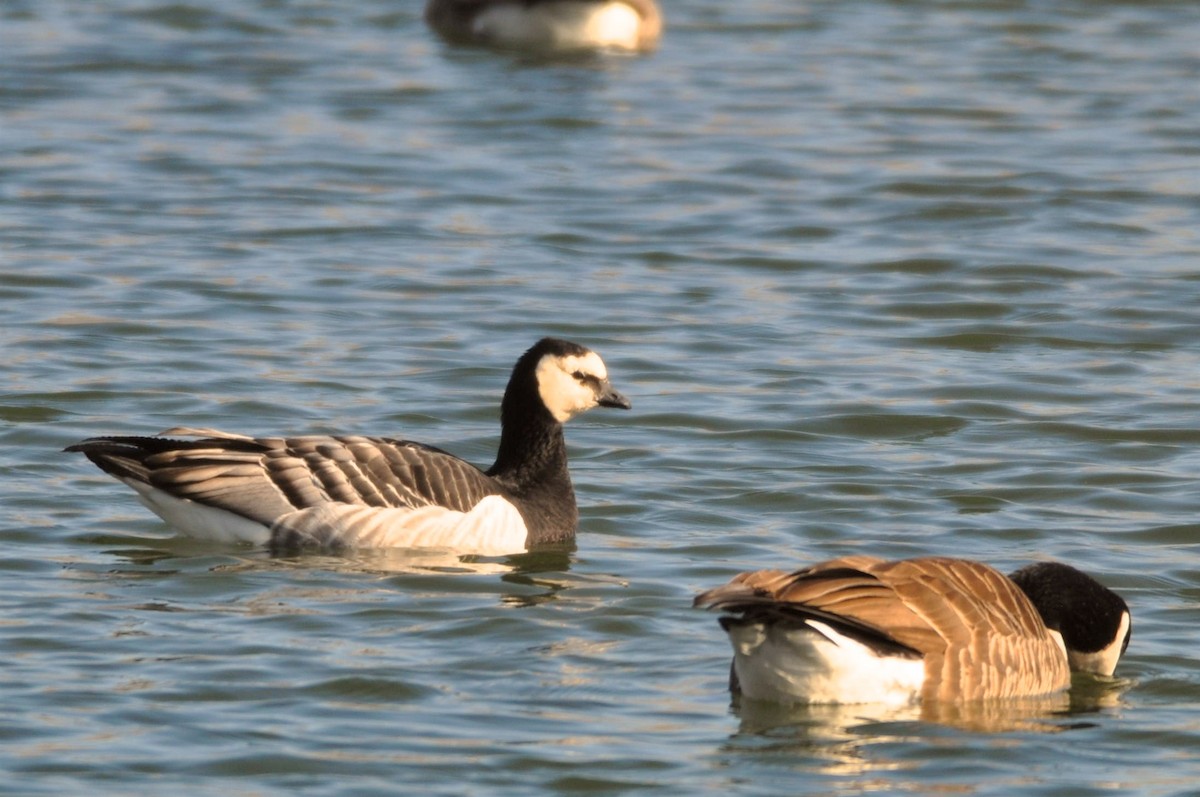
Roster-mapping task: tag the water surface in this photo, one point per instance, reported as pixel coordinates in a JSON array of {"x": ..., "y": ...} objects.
[{"x": 905, "y": 279}]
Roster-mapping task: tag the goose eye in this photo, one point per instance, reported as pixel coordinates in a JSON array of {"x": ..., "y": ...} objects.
[{"x": 584, "y": 378}]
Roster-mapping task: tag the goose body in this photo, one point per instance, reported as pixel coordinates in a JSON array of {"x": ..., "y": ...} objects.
[
  {"x": 357, "y": 491},
  {"x": 630, "y": 25},
  {"x": 865, "y": 630}
]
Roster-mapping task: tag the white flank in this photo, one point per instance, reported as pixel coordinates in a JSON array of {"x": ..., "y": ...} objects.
[
  {"x": 1103, "y": 661},
  {"x": 200, "y": 521},
  {"x": 797, "y": 665},
  {"x": 566, "y": 25},
  {"x": 492, "y": 528}
]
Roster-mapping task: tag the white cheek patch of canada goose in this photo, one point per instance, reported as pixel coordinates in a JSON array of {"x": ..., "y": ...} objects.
[
  {"x": 1094, "y": 621},
  {"x": 357, "y": 491},
  {"x": 865, "y": 630}
]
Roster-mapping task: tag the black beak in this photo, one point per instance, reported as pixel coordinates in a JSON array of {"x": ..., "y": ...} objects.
[{"x": 608, "y": 397}]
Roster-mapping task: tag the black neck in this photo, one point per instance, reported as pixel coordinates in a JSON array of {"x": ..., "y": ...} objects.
[
  {"x": 532, "y": 465},
  {"x": 532, "y": 451}
]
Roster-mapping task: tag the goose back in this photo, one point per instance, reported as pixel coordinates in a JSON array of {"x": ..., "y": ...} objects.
[{"x": 976, "y": 632}]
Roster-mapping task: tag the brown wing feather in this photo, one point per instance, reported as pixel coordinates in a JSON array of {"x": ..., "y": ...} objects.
[
  {"x": 852, "y": 587},
  {"x": 993, "y": 641},
  {"x": 979, "y": 635},
  {"x": 842, "y": 592}
]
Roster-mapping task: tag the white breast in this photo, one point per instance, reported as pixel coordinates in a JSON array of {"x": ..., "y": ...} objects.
[{"x": 492, "y": 528}]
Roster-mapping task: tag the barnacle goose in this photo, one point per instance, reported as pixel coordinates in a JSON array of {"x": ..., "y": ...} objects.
[
  {"x": 373, "y": 491},
  {"x": 864, "y": 630},
  {"x": 548, "y": 25}
]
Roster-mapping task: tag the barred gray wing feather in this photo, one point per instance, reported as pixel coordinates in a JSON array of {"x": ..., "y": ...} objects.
[
  {"x": 266, "y": 478},
  {"x": 374, "y": 471}
]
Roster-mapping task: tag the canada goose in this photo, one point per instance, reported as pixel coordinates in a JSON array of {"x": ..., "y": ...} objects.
[
  {"x": 376, "y": 491},
  {"x": 864, "y": 630},
  {"x": 548, "y": 24}
]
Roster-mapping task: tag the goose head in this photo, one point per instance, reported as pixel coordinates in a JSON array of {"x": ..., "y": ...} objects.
[
  {"x": 561, "y": 377},
  {"x": 572, "y": 379},
  {"x": 1093, "y": 621}
]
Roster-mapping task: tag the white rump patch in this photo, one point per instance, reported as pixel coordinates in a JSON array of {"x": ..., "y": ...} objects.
[
  {"x": 566, "y": 25},
  {"x": 492, "y": 528},
  {"x": 199, "y": 520},
  {"x": 798, "y": 665},
  {"x": 563, "y": 394}
]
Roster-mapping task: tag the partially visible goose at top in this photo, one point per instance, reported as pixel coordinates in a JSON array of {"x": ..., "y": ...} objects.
[
  {"x": 548, "y": 25},
  {"x": 375, "y": 491},
  {"x": 865, "y": 630}
]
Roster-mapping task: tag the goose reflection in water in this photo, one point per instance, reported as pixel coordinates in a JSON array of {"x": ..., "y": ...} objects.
[{"x": 850, "y": 739}]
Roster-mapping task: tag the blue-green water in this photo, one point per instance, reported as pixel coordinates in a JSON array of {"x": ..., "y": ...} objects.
[{"x": 900, "y": 278}]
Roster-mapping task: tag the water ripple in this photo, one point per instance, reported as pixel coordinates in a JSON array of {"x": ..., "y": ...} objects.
[{"x": 888, "y": 278}]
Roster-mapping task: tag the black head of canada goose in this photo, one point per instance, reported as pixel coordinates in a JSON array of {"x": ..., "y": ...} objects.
[
  {"x": 864, "y": 630},
  {"x": 548, "y": 25},
  {"x": 351, "y": 491}
]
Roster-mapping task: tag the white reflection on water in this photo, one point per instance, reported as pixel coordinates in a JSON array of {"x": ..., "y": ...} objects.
[
  {"x": 145, "y": 552},
  {"x": 847, "y": 739}
]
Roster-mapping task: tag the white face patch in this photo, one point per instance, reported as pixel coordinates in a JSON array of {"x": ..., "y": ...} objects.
[
  {"x": 1103, "y": 661},
  {"x": 567, "y": 384}
]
